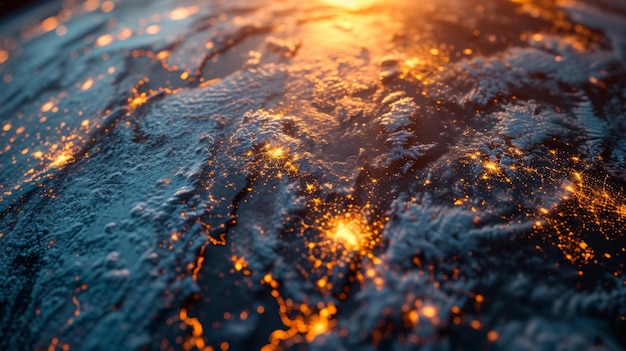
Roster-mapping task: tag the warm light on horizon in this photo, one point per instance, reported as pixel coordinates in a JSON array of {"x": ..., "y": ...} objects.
[{"x": 350, "y": 4}]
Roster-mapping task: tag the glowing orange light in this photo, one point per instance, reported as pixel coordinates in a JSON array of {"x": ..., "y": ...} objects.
[
  {"x": 196, "y": 328},
  {"x": 137, "y": 101},
  {"x": 6, "y": 127},
  {"x": 153, "y": 29},
  {"x": 491, "y": 166},
  {"x": 49, "y": 23},
  {"x": 4, "y": 56},
  {"x": 240, "y": 263},
  {"x": 62, "y": 159},
  {"x": 107, "y": 6},
  {"x": 38, "y": 155},
  {"x": 346, "y": 232},
  {"x": 91, "y": 5},
  {"x": 350, "y": 4},
  {"x": 183, "y": 12},
  {"x": 537, "y": 37},
  {"x": 53, "y": 344},
  {"x": 163, "y": 54},
  {"x": 87, "y": 84},
  {"x": 276, "y": 152},
  {"x": 104, "y": 40},
  {"x": 320, "y": 323},
  {"x": 429, "y": 311},
  {"x": 414, "y": 317},
  {"x": 199, "y": 262},
  {"x": 47, "y": 106},
  {"x": 124, "y": 34},
  {"x": 493, "y": 336},
  {"x": 318, "y": 327}
]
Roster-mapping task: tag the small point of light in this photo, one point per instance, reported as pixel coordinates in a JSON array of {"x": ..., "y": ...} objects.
[
  {"x": 47, "y": 106},
  {"x": 49, "y": 23},
  {"x": 124, "y": 34},
  {"x": 107, "y": 6},
  {"x": 87, "y": 84},
  {"x": 153, "y": 29},
  {"x": 4, "y": 56},
  {"x": 183, "y": 12},
  {"x": 104, "y": 40},
  {"x": 429, "y": 311}
]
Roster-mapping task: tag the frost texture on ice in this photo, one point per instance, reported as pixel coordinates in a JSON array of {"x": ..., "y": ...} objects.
[{"x": 528, "y": 126}]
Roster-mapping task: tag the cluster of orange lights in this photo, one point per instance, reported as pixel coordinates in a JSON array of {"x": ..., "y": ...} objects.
[
  {"x": 583, "y": 208},
  {"x": 342, "y": 234},
  {"x": 349, "y": 230},
  {"x": 303, "y": 322},
  {"x": 197, "y": 332},
  {"x": 591, "y": 202},
  {"x": 276, "y": 159}
]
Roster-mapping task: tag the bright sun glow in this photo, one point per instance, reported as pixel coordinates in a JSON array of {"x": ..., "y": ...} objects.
[{"x": 350, "y": 4}]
